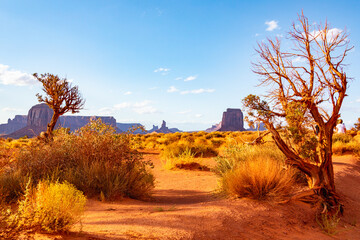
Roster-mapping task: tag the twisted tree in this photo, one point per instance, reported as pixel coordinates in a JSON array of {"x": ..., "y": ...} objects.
[
  {"x": 61, "y": 97},
  {"x": 303, "y": 82}
]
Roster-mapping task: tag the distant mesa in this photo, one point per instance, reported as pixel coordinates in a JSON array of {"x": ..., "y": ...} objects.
[
  {"x": 153, "y": 129},
  {"x": 232, "y": 120},
  {"x": 39, "y": 116},
  {"x": 257, "y": 127},
  {"x": 163, "y": 129},
  {"x": 13, "y": 125},
  {"x": 214, "y": 128},
  {"x": 124, "y": 127}
]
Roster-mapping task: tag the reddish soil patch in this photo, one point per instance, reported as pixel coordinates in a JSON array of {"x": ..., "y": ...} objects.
[{"x": 184, "y": 207}]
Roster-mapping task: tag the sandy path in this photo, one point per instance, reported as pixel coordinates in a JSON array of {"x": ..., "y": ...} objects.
[{"x": 183, "y": 207}]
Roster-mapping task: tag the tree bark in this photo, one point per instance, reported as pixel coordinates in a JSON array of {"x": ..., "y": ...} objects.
[{"x": 51, "y": 125}]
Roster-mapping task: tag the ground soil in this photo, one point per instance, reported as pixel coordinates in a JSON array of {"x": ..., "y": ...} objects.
[{"x": 184, "y": 207}]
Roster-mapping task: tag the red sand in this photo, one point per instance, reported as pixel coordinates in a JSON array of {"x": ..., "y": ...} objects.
[{"x": 183, "y": 207}]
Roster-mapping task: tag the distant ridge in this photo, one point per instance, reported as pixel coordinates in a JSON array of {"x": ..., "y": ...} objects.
[{"x": 40, "y": 115}]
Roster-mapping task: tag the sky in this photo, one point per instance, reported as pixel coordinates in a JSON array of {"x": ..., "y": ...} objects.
[{"x": 184, "y": 62}]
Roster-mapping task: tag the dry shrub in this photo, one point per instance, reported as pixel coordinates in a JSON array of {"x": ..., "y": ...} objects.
[
  {"x": 53, "y": 207},
  {"x": 170, "y": 161},
  {"x": 342, "y": 137},
  {"x": 345, "y": 144},
  {"x": 94, "y": 159},
  {"x": 340, "y": 148},
  {"x": 260, "y": 179},
  {"x": 197, "y": 148}
]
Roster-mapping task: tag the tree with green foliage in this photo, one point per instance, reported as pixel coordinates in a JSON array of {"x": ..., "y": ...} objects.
[
  {"x": 61, "y": 97},
  {"x": 301, "y": 80}
]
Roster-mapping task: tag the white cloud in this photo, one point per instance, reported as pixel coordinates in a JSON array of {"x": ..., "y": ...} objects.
[
  {"x": 299, "y": 59},
  {"x": 198, "y": 91},
  {"x": 8, "y": 109},
  {"x": 358, "y": 100},
  {"x": 128, "y": 93},
  {"x": 280, "y": 35},
  {"x": 172, "y": 89},
  {"x": 122, "y": 105},
  {"x": 178, "y": 78},
  {"x": 257, "y": 34},
  {"x": 190, "y": 78},
  {"x": 272, "y": 25},
  {"x": 198, "y": 115},
  {"x": 143, "y": 107},
  {"x": 146, "y": 110},
  {"x": 106, "y": 111},
  {"x": 331, "y": 34},
  {"x": 184, "y": 112},
  {"x": 15, "y": 77},
  {"x": 161, "y": 70},
  {"x": 141, "y": 104}
]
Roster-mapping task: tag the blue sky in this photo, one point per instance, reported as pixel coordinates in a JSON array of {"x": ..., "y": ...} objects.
[{"x": 146, "y": 61}]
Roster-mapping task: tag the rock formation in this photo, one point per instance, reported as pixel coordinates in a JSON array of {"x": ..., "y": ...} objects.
[
  {"x": 163, "y": 129},
  {"x": 153, "y": 129},
  {"x": 76, "y": 122},
  {"x": 257, "y": 127},
  {"x": 13, "y": 125},
  {"x": 124, "y": 127},
  {"x": 214, "y": 128},
  {"x": 232, "y": 120},
  {"x": 40, "y": 115}
]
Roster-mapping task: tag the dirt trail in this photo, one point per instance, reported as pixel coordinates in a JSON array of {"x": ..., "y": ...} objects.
[{"x": 183, "y": 207}]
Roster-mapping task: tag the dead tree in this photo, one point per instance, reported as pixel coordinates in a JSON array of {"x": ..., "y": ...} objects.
[
  {"x": 61, "y": 97},
  {"x": 301, "y": 79}
]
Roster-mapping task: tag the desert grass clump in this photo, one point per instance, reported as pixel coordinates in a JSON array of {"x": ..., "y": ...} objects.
[
  {"x": 340, "y": 148},
  {"x": 257, "y": 172},
  {"x": 235, "y": 154},
  {"x": 345, "y": 144},
  {"x": 170, "y": 161},
  {"x": 260, "y": 179},
  {"x": 328, "y": 222},
  {"x": 198, "y": 148},
  {"x": 52, "y": 207},
  {"x": 342, "y": 137}
]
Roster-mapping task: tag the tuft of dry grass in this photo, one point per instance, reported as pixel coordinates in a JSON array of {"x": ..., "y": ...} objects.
[
  {"x": 260, "y": 179},
  {"x": 257, "y": 172},
  {"x": 171, "y": 160},
  {"x": 346, "y": 144}
]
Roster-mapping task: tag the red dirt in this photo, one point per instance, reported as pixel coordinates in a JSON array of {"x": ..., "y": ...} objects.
[{"x": 184, "y": 207}]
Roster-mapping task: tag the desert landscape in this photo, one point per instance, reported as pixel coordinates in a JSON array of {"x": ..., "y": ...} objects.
[
  {"x": 185, "y": 202},
  {"x": 179, "y": 120},
  {"x": 183, "y": 206}
]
